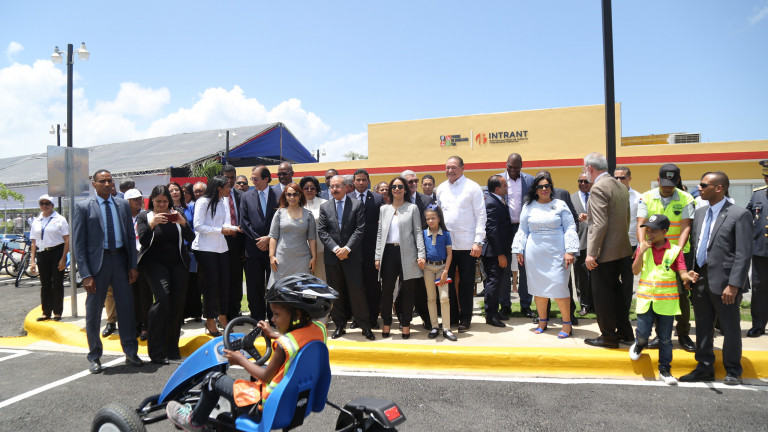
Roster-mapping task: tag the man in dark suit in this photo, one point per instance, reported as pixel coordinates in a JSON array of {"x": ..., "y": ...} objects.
[
  {"x": 257, "y": 208},
  {"x": 721, "y": 241},
  {"x": 371, "y": 205},
  {"x": 340, "y": 227},
  {"x": 497, "y": 249},
  {"x": 284, "y": 177},
  {"x": 607, "y": 246},
  {"x": 326, "y": 194},
  {"x": 758, "y": 206},
  {"x": 579, "y": 200},
  {"x": 518, "y": 184},
  {"x": 236, "y": 245},
  {"x": 428, "y": 187},
  {"x": 420, "y": 290},
  {"x": 105, "y": 251}
]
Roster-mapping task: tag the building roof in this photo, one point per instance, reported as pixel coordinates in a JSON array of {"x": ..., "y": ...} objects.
[{"x": 156, "y": 155}]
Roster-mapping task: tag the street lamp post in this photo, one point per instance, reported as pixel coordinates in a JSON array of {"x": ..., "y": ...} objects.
[
  {"x": 82, "y": 54},
  {"x": 226, "y": 149},
  {"x": 318, "y": 153},
  {"x": 58, "y": 132}
]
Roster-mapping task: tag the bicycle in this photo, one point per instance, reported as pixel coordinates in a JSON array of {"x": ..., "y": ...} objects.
[
  {"x": 10, "y": 258},
  {"x": 26, "y": 255}
]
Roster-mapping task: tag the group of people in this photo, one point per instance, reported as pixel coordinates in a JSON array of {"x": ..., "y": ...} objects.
[{"x": 392, "y": 250}]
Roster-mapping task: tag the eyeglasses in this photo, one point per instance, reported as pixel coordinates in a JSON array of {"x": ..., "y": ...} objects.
[
  {"x": 291, "y": 194},
  {"x": 309, "y": 188},
  {"x": 585, "y": 181},
  {"x": 46, "y": 203},
  {"x": 706, "y": 185},
  {"x": 241, "y": 183},
  {"x": 544, "y": 186},
  {"x": 280, "y": 174},
  {"x": 413, "y": 181},
  {"x": 620, "y": 177},
  {"x": 396, "y": 187}
]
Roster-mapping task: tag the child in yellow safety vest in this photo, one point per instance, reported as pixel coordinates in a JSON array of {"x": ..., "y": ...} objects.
[
  {"x": 295, "y": 302},
  {"x": 658, "y": 262}
]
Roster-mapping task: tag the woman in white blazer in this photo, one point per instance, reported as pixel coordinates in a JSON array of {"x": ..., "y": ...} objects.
[{"x": 399, "y": 253}]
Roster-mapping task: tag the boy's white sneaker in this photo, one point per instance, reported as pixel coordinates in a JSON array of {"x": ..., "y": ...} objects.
[
  {"x": 667, "y": 378},
  {"x": 634, "y": 351}
]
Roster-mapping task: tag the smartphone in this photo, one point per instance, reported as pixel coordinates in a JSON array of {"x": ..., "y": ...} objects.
[{"x": 172, "y": 217}]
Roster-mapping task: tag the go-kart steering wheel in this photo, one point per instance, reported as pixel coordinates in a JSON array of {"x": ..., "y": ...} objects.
[{"x": 247, "y": 341}]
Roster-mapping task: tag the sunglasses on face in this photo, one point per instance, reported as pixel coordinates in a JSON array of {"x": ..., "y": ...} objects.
[
  {"x": 414, "y": 181},
  {"x": 241, "y": 183},
  {"x": 397, "y": 186},
  {"x": 584, "y": 181},
  {"x": 310, "y": 188},
  {"x": 46, "y": 204},
  {"x": 544, "y": 186},
  {"x": 620, "y": 177},
  {"x": 291, "y": 194},
  {"x": 706, "y": 185}
]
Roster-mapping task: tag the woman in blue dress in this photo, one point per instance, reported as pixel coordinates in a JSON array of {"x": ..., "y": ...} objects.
[{"x": 546, "y": 243}]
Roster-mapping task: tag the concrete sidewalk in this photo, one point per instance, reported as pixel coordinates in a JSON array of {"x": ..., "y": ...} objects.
[{"x": 485, "y": 349}]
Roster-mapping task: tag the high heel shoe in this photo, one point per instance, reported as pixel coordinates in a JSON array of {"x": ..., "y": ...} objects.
[
  {"x": 406, "y": 335},
  {"x": 540, "y": 330},
  {"x": 562, "y": 334},
  {"x": 385, "y": 334},
  {"x": 214, "y": 333}
]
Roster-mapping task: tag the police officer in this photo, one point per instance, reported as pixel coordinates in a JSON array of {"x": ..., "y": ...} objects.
[
  {"x": 758, "y": 206},
  {"x": 678, "y": 206}
]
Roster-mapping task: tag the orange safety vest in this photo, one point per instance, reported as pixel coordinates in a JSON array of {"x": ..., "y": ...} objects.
[{"x": 250, "y": 392}]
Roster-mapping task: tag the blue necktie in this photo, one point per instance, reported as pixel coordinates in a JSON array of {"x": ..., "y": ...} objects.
[
  {"x": 111, "y": 243},
  {"x": 701, "y": 253},
  {"x": 263, "y": 195},
  {"x": 339, "y": 212}
]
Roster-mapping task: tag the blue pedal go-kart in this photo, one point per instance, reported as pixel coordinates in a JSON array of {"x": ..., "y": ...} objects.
[{"x": 303, "y": 390}]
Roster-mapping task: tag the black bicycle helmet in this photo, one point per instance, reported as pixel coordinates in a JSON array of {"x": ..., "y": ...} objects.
[{"x": 303, "y": 291}]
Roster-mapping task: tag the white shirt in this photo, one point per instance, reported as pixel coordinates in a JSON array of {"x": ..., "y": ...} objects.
[
  {"x": 634, "y": 200},
  {"x": 208, "y": 236},
  {"x": 393, "y": 236},
  {"x": 715, "y": 213},
  {"x": 55, "y": 226},
  {"x": 464, "y": 211},
  {"x": 515, "y": 195},
  {"x": 314, "y": 207}
]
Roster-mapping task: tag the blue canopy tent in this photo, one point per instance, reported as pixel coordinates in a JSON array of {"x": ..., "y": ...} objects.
[{"x": 273, "y": 145}]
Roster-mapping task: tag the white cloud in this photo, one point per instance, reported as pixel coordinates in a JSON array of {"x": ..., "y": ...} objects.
[
  {"x": 758, "y": 13},
  {"x": 13, "y": 48},
  {"x": 34, "y": 97}
]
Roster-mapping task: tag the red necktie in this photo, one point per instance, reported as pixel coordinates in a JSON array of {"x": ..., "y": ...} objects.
[{"x": 232, "y": 211}]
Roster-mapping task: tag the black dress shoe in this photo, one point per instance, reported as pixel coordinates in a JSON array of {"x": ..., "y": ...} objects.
[
  {"x": 449, "y": 335},
  {"x": 353, "y": 325},
  {"x": 627, "y": 340},
  {"x": 134, "y": 360},
  {"x": 755, "y": 332},
  {"x": 653, "y": 343},
  {"x": 463, "y": 327},
  {"x": 732, "y": 379},
  {"x": 583, "y": 311},
  {"x": 687, "y": 343},
  {"x": 339, "y": 332},
  {"x": 161, "y": 361},
  {"x": 174, "y": 356},
  {"x": 528, "y": 313},
  {"x": 697, "y": 376},
  {"x": 109, "y": 329},
  {"x": 503, "y": 316},
  {"x": 574, "y": 320},
  {"x": 57, "y": 318},
  {"x": 43, "y": 318},
  {"x": 433, "y": 333},
  {"x": 495, "y": 322},
  {"x": 375, "y": 325},
  {"x": 95, "y": 367},
  {"x": 368, "y": 334},
  {"x": 406, "y": 335},
  {"x": 427, "y": 325},
  {"x": 602, "y": 343}
]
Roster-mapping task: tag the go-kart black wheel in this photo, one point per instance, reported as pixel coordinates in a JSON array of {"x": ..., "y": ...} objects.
[
  {"x": 247, "y": 342},
  {"x": 117, "y": 417}
]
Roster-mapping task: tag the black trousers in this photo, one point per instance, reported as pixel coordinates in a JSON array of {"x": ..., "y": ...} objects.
[
  {"x": 215, "y": 385},
  {"x": 194, "y": 306},
  {"x": 683, "y": 326},
  {"x": 142, "y": 301},
  {"x": 347, "y": 278},
  {"x": 709, "y": 307},
  {"x": 628, "y": 281},
  {"x": 522, "y": 279},
  {"x": 169, "y": 286},
  {"x": 215, "y": 292},
  {"x": 759, "y": 306},
  {"x": 372, "y": 288},
  {"x": 583, "y": 287},
  {"x": 493, "y": 284},
  {"x": 51, "y": 280},
  {"x": 391, "y": 270},
  {"x": 461, "y": 303},
  {"x": 610, "y": 305},
  {"x": 236, "y": 266},
  {"x": 257, "y": 273}
]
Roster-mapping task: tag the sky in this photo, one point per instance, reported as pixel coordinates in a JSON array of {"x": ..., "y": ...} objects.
[{"x": 328, "y": 69}]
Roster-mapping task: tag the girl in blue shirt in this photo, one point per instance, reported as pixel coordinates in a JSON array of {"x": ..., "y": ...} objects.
[{"x": 437, "y": 241}]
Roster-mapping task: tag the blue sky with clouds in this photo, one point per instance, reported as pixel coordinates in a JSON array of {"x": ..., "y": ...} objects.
[{"x": 327, "y": 69}]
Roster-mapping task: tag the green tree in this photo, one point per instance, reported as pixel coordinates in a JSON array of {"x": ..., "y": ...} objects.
[
  {"x": 353, "y": 155},
  {"x": 207, "y": 168},
  {"x": 6, "y": 194}
]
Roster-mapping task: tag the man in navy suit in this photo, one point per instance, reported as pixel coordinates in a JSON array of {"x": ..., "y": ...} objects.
[
  {"x": 497, "y": 249},
  {"x": 371, "y": 205},
  {"x": 326, "y": 194},
  {"x": 236, "y": 245},
  {"x": 340, "y": 227},
  {"x": 257, "y": 208},
  {"x": 106, "y": 256},
  {"x": 518, "y": 184},
  {"x": 721, "y": 242},
  {"x": 284, "y": 177}
]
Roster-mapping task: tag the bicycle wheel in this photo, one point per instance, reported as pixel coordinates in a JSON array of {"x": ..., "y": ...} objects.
[
  {"x": 27, "y": 272},
  {"x": 13, "y": 268}
]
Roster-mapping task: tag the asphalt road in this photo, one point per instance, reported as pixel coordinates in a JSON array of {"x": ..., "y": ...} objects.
[{"x": 440, "y": 403}]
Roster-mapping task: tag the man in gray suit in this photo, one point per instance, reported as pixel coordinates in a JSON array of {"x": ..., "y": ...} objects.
[
  {"x": 106, "y": 255},
  {"x": 721, "y": 242},
  {"x": 580, "y": 200}
]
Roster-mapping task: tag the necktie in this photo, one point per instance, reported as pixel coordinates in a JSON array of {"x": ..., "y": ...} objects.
[
  {"x": 586, "y": 198},
  {"x": 360, "y": 197},
  {"x": 701, "y": 253},
  {"x": 111, "y": 243},
  {"x": 339, "y": 212},
  {"x": 232, "y": 217},
  {"x": 263, "y": 196}
]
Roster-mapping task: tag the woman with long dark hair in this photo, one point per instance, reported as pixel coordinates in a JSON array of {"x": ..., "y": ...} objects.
[
  {"x": 547, "y": 242},
  {"x": 211, "y": 249},
  {"x": 178, "y": 203},
  {"x": 164, "y": 261}
]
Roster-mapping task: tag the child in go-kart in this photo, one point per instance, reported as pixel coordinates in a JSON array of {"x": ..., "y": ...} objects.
[{"x": 295, "y": 301}]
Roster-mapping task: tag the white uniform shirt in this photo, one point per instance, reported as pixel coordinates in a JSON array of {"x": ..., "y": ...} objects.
[
  {"x": 634, "y": 200},
  {"x": 464, "y": 211},
  {"x": 208, "y": 236},
  {"x": 49, "y": 231}
]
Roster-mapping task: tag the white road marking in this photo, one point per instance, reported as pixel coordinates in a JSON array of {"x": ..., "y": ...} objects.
[
  {"x": 55, "y": 384},
  {"x": 605, "y": 381},
  {"x": 14, "y": 353}
]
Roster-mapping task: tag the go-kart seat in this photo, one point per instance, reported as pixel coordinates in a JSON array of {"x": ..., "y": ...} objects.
[{"x": 303, "y": 389}]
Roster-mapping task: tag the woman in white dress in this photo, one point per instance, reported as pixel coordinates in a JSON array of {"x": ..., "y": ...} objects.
[
  {"x": 311, "y": 187},
  {"x": 546, "y": 243}
]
